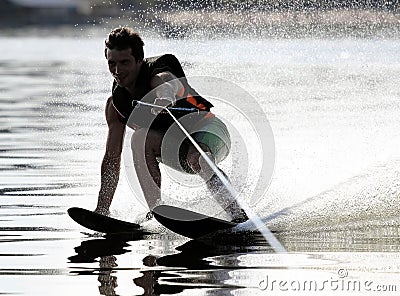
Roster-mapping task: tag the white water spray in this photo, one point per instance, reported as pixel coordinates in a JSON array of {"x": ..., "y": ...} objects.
[{"x": 255, "y": 219}]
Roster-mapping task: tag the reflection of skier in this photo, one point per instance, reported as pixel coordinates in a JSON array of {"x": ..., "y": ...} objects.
[
  {"x": 149, "y": 280},
  {"x": 134, "y": 78},
  {"x": 108, "y": 282}
]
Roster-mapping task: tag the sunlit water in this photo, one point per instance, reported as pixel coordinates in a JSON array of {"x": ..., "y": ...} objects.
[{"x": 333, "y": 107}]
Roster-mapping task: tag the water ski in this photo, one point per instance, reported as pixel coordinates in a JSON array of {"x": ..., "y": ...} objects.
[
  {"x": 188, "y": 223},
  {"x": 100, "y": 223}
]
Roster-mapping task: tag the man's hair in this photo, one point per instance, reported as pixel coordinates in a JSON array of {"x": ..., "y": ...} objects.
[{"x": 124, "y": 38}]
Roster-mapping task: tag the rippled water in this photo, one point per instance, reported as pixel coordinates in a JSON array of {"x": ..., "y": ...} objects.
[{"x": 333, "y": 106}]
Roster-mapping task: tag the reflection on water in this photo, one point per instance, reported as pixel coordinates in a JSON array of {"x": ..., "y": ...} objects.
[
  {"x": 114, "y": 244},
  {"x": 190, "y": 268},
  {"x": 52, "y": 138},
  {"x": 210, "y": 265}
]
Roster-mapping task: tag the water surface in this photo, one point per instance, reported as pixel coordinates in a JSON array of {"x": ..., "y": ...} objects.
[{"x": 333, "y": 106}]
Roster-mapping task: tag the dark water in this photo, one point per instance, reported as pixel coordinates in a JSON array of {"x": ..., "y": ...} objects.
[{"x": 52, "y": 135}]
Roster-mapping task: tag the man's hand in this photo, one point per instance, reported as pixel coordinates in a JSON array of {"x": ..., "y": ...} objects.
[{"x": 162, "y": 102}]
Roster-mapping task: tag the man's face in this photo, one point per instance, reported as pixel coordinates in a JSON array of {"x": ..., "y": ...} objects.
[{"x": 123, "y": 67}]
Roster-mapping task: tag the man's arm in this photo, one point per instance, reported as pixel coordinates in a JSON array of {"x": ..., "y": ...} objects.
[
  {"x": 166, "y": 86},
  {"x": 110, "y": 167}
]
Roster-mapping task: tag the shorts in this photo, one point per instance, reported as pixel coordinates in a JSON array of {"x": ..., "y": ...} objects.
[{"x": 211, "y": 132}]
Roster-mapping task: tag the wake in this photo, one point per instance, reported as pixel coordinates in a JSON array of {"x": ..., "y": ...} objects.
[{"x": 368, "y": 200}]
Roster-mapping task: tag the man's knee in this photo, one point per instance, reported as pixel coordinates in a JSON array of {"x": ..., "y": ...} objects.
[
  {"x": 138, "y": 141},
  {"x": 196, "y": 162},
  {"x": 143, "y": 140}
]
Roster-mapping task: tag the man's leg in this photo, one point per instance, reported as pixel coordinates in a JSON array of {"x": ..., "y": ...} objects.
[
  {"x": 214, "y": 184},
  {"x": 146, "y": 147}
]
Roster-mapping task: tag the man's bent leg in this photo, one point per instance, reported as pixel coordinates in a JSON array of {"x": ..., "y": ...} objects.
[
  {"x": 214, "y": 184},
  {"x": 146, "y": 147}
]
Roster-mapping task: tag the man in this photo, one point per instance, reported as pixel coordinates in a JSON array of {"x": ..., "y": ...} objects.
[{"x": 139, "y": 79}]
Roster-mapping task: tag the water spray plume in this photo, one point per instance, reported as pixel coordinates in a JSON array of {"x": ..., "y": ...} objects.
[{"x": 255, "y": 219}]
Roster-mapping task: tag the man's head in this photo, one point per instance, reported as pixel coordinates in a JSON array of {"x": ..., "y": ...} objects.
[
  {"x": 124, "y": 53},
  {"x": 124, "y": 38}
]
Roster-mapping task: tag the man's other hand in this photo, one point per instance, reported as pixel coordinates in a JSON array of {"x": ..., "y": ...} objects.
[{"x": 162, "y": 102}]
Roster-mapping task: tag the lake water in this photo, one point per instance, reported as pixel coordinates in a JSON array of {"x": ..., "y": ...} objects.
[{"x": 333, "y": 108}]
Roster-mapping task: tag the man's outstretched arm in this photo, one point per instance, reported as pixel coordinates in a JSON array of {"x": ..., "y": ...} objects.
[
  {"x": 167, "y": 86},
  {"x": 110, "y": 167}
]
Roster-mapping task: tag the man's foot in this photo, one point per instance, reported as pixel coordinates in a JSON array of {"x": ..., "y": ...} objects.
[
  {"x": 242, "y": 217},
  {"x": 149, "y": 216},
  {"x": 145, "y": 217}
]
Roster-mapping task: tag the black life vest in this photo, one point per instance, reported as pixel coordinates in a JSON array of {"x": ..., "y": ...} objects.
[{"x": 187, "y": 97}]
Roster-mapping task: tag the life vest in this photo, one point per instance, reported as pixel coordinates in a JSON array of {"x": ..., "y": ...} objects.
[{"x": 186, "y": 97}]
